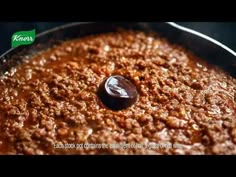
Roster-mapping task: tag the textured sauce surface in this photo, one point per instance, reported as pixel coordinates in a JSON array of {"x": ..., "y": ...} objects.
[{"x": 51, "y": 99}]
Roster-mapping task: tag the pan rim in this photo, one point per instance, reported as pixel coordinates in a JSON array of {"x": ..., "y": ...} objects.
[
  {"x": 171, "y": 24},
  {"x": 204, "y": 36}
]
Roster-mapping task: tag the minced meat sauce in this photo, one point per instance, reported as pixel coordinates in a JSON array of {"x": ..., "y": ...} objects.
[{"x": 49, "y": 104}]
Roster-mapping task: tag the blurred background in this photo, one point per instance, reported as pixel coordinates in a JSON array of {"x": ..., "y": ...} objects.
[{"x": 225, "y": 32}]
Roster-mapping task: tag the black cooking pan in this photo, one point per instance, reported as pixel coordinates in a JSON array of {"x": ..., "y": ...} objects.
[{"x": 202, "y": 45}]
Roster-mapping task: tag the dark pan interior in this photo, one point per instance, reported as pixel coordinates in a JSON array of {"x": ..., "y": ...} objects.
[{"x": 202, "y": 47}]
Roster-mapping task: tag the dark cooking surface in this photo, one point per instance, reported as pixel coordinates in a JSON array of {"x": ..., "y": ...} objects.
[
  {"x": 224, "y": 32},
  {"x": 52, "y": 100}
]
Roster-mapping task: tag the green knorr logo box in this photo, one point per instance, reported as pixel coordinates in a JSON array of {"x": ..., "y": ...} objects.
[{"x": 22, "y": 38}]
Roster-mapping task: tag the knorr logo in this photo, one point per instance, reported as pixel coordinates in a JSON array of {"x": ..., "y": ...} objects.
[{"x": 22, "y": 38}]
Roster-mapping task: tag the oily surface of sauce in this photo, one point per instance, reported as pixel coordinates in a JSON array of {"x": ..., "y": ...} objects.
[{"x": 51, "y": 100}]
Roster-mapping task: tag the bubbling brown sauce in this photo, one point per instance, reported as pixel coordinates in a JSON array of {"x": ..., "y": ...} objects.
[{"x": 49, "y": 104}]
